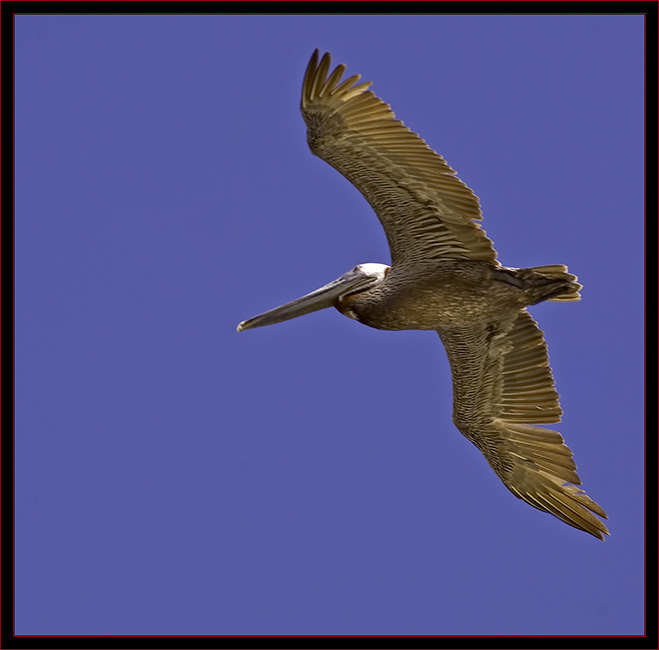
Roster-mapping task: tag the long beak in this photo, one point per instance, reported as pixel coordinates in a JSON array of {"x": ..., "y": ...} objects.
[{"x": 322, "y": 298}]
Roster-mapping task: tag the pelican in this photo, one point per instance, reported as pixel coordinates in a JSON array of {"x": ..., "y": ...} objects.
[{"x": 444, "y": 276}]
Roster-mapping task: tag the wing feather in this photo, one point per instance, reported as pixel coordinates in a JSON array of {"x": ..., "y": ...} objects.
[
  {"x": 427, "y": 212},
  {"x": 503, "y": 388}
]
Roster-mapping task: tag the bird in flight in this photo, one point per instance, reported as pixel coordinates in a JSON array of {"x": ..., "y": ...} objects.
[{"x": 445, "y": 276}]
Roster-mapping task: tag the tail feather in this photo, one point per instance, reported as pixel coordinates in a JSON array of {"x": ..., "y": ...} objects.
[{"x": 569, "y": 291}]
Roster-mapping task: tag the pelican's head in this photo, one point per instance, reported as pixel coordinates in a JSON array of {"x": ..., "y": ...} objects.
[{"x": 362, "y": 277}]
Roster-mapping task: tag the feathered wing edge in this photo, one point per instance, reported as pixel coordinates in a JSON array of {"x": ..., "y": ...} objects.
[{"x": 544, "y": 475}]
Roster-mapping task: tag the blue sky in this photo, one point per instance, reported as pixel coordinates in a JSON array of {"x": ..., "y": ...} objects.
[{"x": 176, "y": 477}]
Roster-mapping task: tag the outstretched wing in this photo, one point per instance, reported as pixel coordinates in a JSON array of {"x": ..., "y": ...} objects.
[
  {"x": 427, "y": 212},
  {"x": 503, "y": 386}
]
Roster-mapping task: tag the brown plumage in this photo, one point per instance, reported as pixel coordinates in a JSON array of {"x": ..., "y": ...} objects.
[{"x": 445, "y": 277}]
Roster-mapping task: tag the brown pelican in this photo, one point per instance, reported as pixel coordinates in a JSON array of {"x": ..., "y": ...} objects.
[{"x": 444, "y": 276}]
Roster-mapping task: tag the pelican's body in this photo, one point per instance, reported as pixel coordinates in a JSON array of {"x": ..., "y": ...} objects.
[
  {"x": 438, "y": 296},
  {"x": 445, "y": 277}
]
